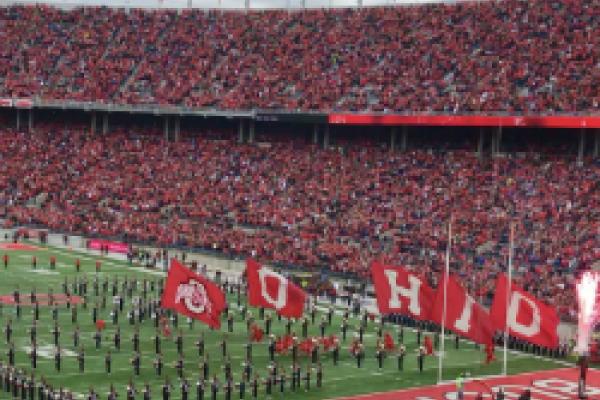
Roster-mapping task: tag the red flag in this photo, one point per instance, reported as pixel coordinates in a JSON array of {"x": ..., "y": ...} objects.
[
  {"x": 307, "y": 346},
  {"x": 269, "y": 289},
  {"x": 388, "y": 341},
  {"x": 100, "y": 324},
  {"x": 489, "y": 353},
  {"x": 428, "y": 345},
  {"x": 256, "y": 333},
  {"x": 528, "y": 318},
  {"x": 193, "y": 295},
  {"x": 463, "y": 315},
  {"x": 399, "y": 291}
]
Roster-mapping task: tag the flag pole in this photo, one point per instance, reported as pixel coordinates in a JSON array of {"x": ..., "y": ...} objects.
[
  {"x": 511, "y": 238},
  {"x": 445, "y": 283}
]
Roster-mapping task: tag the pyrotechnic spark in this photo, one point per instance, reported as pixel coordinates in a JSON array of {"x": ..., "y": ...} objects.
[{"x": 587, "y": 289}]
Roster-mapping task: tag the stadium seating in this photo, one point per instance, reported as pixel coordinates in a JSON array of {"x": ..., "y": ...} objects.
[
  {"x": 509, "y": 56},
  {"x": 297, "y": 204}
]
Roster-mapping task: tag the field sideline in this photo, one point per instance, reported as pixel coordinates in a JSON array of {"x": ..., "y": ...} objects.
[{"x": 342, "y": 380}]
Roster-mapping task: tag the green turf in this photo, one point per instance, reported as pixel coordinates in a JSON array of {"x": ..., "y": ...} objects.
[{"x": 345, "y": 379}]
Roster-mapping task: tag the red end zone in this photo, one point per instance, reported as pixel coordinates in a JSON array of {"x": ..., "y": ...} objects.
[
  {"x": 558, "y": 384},
  {"x": 18, "y": 247}
]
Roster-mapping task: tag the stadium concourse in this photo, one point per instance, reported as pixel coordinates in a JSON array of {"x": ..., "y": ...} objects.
[{"x": 510, "y": 56}]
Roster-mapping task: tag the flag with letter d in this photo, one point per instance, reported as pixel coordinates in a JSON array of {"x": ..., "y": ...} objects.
[
  {"x": 193, "y": 295},
  {"x": 267, "y": 288},
  {"x": 527, "y": 317}
]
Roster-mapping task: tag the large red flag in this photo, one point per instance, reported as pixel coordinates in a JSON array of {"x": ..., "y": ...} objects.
[
  {"x": 193, "y": 295},
  {"x": 463, "y": 315},
  {"x": 399, "y": 291},
  {"x": 267, "y": 288},
  {"x": 528, "y": 318}
]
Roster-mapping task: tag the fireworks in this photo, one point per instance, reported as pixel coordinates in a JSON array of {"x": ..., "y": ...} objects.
[{"x": 587, "y": 289}]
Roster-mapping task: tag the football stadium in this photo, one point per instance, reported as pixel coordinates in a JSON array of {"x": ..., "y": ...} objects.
[{"x": 355, "y": 200}]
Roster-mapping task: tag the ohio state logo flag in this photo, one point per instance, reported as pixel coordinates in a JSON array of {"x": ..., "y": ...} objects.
[
  {"x": 267, "y": 288},
  {"x": 193, "y": 295},
  {"x": 527, "y": 317},
  {"x": 402, "y": 292}
]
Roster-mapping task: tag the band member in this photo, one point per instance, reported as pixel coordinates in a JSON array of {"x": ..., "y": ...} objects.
[
  {"x": 108, "y": 362},
  {"x": 200, "y": 345},
  {"x": 344, "y": 328},
  {"x": 185, "y": 389},
  {"x": 158, "y": 364},
  {"x": 359, "y": 354},
  {"x": 57, "y": 359},
  {"x": 117, "y": 339},
  {"x": 268, "y": 323},
  {"x": 33, "y": 355},
  {"x": 76, "y": 335},
  {"x": 400, "y": 355},
  {"x": 81, "y": 359},
  {"x": 56, "y": 334},
  {"x": 224, "y": 347},
  {"x": 254, "y": 387},
  {"x": 157, "y": 342},
  {"x": 214, "y": 388},
  {"x": 421, "y": 357},
  {"x": 200, "y": 388},
  {"x": 8, "y": 330},
  {"x": 205, "y": 368},
  {"x": 179, "y": 342},
  {"x": 319, "y": 375},
  {"x": 98, "y": 338},
  {"x": 323, "y": 326},
  {"x": 230, "y": 322},
  {"x": 336, "y": 354},
  {"x": 135, "y": 362},
  {"x": 130, "y": 391},
  {"x": 10, "y": 354},
  {"x": 179, "y": 367},
  {"x": 136, "y": 340},
  {"x": 380, "y": 355},
  {"x": 166, "y": 390}
]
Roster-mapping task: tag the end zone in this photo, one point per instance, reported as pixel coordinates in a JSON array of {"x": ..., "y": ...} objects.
[{"x": 558, "y": 384}]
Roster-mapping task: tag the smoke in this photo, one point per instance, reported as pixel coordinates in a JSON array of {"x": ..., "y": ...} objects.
[{"x": 587, "y": 289}]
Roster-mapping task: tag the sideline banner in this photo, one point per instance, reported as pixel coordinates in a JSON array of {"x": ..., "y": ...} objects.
[
  {"x": 507, "y": 121},
  {"x": 113, "y": 247}
]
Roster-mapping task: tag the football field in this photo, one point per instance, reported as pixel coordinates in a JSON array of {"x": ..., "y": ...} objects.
[{"x": 345, "y": 379}]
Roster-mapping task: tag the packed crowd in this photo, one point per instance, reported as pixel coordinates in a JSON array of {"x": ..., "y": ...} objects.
[
  {"x": 301, "y": 205},
  {"x": 516, "y": 56}
]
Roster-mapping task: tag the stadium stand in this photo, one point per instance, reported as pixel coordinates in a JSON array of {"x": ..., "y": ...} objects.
[
  {"x": 520, "y": 57},
  {"x": 301, "y": 205}
]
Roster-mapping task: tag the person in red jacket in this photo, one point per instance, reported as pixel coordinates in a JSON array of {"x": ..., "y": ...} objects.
[
  {"x": 5, "y": 259},
  {"x": 98, "y": 264},
  {"x": 52, "y": 262}
]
